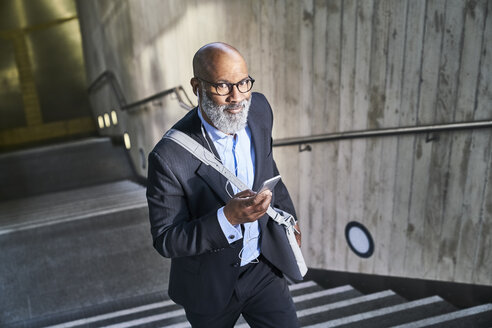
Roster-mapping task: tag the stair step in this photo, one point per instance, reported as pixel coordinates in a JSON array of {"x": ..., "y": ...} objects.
[
  {"x": 304, "y": 288},
  {"x": 65, "y": 206},
  {"x": 117, "y": 314},
  {"x": 386, "y": 317},
  {"x": 314, "y": 299},
  {"x": 477, "y": 317},
  {"x": 181, "y": 325},
  {"x": 303, "y": 285},
  {"x": 63, "y": 166},
  {"x": 322, "y": 293},
  {"x": 348, "y": 308},
  {"x": 327, "y": 299},
  {"x": 140, "y": 322},
  {"x": 48, "y": 200}
]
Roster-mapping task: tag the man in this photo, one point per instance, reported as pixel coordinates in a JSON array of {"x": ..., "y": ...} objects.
[{"x": 227, "y": 256}]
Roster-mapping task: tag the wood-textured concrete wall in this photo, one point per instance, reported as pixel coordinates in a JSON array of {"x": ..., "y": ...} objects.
[{"x": 331, "y": 66}]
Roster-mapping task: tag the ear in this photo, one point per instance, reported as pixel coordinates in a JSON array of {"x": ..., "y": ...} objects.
[{"x": 195, "y": 84}]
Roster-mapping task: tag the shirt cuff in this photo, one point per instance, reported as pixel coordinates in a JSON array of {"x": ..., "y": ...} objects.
[{"x": 231, "y": 232}]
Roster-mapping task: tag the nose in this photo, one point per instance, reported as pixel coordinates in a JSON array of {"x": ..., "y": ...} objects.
[{"x": 235, "y": 95}]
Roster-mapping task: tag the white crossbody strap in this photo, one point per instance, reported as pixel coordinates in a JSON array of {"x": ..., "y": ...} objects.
[{"x": 208, "y": 158}]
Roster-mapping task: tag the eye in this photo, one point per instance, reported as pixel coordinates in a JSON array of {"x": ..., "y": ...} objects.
[{"x": 222, "y": 86}]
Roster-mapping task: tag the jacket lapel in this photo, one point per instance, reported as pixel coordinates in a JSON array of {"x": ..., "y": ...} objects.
[
  {"x": 259, "y": 138},
  {"x": 215, "y": 180},
  {"x": 261, "y": 144}
]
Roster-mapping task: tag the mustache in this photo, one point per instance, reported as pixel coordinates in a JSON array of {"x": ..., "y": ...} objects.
[{"x": 241, "y": 104}]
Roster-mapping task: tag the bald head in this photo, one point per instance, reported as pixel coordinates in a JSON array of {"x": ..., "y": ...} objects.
[{"x": 210, "y": 59}]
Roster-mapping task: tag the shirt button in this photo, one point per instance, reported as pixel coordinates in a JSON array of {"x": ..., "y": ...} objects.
[{"x": 231, "y": 236}]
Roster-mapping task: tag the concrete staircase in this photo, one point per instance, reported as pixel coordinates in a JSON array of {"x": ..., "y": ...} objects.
[
  {"x": 76, "y": 252},
  {"x": 316, "y": 307},
  {"x": 74, "y": 231}
]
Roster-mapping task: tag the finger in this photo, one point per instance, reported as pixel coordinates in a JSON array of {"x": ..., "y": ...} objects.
[
  {"x": 264, "y": 196},
  {"x": 264, "y": 191},
  {"x": 265, "y": 202},
  {"x": 260, "y": 198},
  {"x": 247, "y": 202},
  {"x": 259, "y": 209},
  {"x": 261, "y": 202},
  {"x": 245, "y": 193}
]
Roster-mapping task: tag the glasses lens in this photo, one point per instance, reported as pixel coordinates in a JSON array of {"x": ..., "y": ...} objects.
[
  {"x": 244, "y": 86},
  {"x": 223, "y": 89}
]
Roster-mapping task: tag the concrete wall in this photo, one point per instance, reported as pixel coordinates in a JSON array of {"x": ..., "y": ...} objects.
[{"x": 329, "y": 66}]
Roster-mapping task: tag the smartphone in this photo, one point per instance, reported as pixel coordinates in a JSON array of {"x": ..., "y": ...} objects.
[{"x": 269, "y": 184}]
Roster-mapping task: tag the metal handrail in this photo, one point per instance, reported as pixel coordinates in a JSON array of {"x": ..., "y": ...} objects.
[
  {"x": 162, "y": 94},
  {"x": 381, "y": 132},
  {"x": 115, "y": 86}
]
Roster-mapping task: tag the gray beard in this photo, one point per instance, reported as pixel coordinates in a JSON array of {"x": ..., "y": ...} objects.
[{"x": 221, "y": 119}]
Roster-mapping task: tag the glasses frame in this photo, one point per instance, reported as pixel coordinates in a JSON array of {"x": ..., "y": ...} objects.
[{"x": 229, "y": 85}]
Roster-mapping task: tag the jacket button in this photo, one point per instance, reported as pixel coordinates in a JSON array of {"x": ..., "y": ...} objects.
[{"x": 235, "y": 265}]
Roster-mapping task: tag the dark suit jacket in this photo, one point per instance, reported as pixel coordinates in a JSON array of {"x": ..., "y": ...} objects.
[{"x": 184, "y": 195}]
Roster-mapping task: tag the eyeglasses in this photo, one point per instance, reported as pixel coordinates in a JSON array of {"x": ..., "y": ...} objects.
[{"x": 224, "y": 88}]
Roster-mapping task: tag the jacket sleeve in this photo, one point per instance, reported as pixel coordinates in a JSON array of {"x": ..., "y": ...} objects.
[
  {"x": 174, "y": 231},
  {"x": 282, "y": 198}
]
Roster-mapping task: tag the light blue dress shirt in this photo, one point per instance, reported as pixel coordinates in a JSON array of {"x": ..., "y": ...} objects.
[{"x": 237, "y": 155}]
